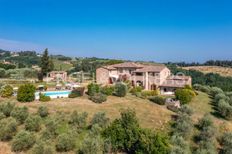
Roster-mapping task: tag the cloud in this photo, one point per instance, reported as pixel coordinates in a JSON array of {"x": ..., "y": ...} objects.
[{"x": 14, "y": 45}]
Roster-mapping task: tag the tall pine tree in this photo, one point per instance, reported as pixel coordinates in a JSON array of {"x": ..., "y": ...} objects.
[{"x": 46, "y": 63}]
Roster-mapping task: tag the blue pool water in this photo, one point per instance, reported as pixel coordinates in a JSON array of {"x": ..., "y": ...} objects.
[{"x": 54, "y": 94}]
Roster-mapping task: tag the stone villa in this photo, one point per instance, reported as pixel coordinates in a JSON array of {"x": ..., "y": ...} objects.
[{"x": 150, "y": 77}]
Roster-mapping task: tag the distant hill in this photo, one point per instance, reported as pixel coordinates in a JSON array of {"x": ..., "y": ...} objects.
[{"x": 223, "y": 71}]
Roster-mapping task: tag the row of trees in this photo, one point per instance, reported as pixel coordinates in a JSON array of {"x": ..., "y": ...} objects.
[
  {"x": 33, "y": 132},
  {"x": 223, "y": 63},
  {"x": 210, "y": 79}
]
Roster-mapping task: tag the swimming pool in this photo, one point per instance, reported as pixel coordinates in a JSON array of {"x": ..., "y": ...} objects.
[{"x": 54, "y": 94}]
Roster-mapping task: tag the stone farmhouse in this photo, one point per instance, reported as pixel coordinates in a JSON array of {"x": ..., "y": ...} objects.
[{"x": 150, "y": 77}]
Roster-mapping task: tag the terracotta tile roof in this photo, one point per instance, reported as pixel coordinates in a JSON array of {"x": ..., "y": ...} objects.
[
  {"x": 176, "y": 81},
  {"x": 128, "y": 65},
  {"x": 151, "y": 68},
  {"x": 124, "y": 65}
]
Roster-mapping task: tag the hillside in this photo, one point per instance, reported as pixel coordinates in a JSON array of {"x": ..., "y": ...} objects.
[{"x": 223, "y": 71}]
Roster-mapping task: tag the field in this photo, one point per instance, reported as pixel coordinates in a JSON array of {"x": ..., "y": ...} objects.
[
  {"x": 223, "y": 71},
  {"x": 150, "y": 115}
]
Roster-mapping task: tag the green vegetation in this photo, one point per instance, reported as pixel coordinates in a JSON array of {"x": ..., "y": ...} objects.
[
  {"x": 8, "y": 129},
  {"x": 6, "y": 91},
  {"x": 33, "y": 123},
  {"x": 98, "y": 98},
  {"x": 209, "y": 79},
  {"x": 20, "y": 114},
  {"x": 77, "y": 92},
  {"x": 23, "y": 141},
  {"x": 126, "y": 135},
  {"x": 158, "y": 100},
  {"x": 120, "y": 90},
  {"x": 26, "y": 93},
  {"x": 184, "y": 95},
  {"x": 44, "y": 98},
  {"x": 46, "y": 64},
  {"x": 43, "y": 111},
  {"x": 93, "y": 89},
  {"x": 107, "y": 90}
]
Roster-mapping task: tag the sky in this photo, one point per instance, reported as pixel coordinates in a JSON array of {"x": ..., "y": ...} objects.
[{"x": 152, "y": 30}]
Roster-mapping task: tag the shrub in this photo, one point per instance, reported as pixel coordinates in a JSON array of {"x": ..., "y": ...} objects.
[
  {"x": 78, "y": 119},
  {"x": 77, "y": 92},
  {"x": 120, "y": 90},
  {"x": 185, "y": 109},
  {"x": 98, "y": 98},
  {"x": 44, "y": 98},
  {"x": 26, "y": 93},
  {"x": 180, "y": 145},
  {"x": 226, "y": 143},
  {"x": 149, "y": 93},
  {"x": 92, "y": 145},
  {"x": 158, "y": 99},
  {"x": 20, "y": 114},
  {"x": 51, "y": 130},
  {"x": 7, "y": 108},
  {"x": 215, "y": 90},
  {"x": 33, "y": 123},
  {"x": 136, "y": 89},
  {"x": 8, "y": 128},
  {"x": 100, "y": 119},
  {"x": 225, "y": 109},
  {"x": 220, "y": 96},
  {"x": 206, "y": 121},
  {"x": 65, "y": 142},
  {"x": 93, "y": 88},
  {"x": 184, "y": 95},
  {"x": 6, "y": 91},
  {"x": 2, "y": 116},
  {"x": 23, "y": 141},
  {"x": 107, "y": 90},
  {"x": 42, "y": 148},
  {"x": 43, "y": 111}
]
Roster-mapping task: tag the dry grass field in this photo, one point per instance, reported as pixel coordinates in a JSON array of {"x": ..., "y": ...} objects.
[
  {"x": 223, "y": 71},
  {"x": 150, "y": 115}
]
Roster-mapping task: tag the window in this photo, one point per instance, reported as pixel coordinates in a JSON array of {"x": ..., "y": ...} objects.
[
  {"x": 120, "y": 71},
  {"x": 139, "y": 74}
]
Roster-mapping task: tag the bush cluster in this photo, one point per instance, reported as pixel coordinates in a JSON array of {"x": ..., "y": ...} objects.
[
  {"x": 44, "y": 98},
  {"x": 184, "y": 95},
  {"x": 120, "y": 89},
  {"x": 137, "y": 89},
  {"x": 77, "y": 92},
  {"x": 6, "y": 91},
  {"x": 65, "y": 142},
  {"x": 8, "y": 129},
  {"x": 206, "y": 137},
  {"x": 33, "y": 123},
  {"x": 158, "y": 100},
  {"x": 149, "y": 93},
  {"x": 22, "y": 141},
  {"x": 6, "y": 108},
  {"x": 20, "y": 114},
  {"x": 98, "y": 98},
  {"x": 93, "y": 89},
  {"x": 26, "y": 93},
  {"x": 107, "y": 90},
  {"x": 43, "y": 111},
  {"x": 126, "y": 135}
]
